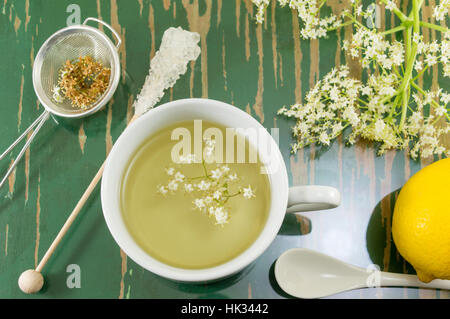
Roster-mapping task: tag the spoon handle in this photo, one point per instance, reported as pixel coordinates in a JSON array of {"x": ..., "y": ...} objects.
[{"x": 393, "y": 279}]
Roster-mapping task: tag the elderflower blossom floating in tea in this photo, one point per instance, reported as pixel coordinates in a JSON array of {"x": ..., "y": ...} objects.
[{"x": 212, "y": 190}]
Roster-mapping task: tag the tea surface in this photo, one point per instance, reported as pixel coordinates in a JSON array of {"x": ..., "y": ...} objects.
[{"x": 168, "y": 227}]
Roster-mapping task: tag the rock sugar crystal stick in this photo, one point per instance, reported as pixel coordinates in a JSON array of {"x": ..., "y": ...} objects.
[{"x": 178, "y": 47}]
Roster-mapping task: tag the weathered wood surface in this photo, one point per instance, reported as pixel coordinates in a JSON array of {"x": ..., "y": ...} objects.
[{"x": 258, "y": 68}]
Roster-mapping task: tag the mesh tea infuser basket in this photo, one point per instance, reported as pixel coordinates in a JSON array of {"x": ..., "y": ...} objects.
[{"x": 70, "y": 44}]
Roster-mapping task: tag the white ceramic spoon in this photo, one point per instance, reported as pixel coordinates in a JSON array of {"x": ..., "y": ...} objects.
[{"x": 305, "y": 273}]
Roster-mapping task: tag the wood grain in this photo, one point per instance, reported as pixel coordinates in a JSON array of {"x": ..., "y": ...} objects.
[
  {"x": 200, "y": 23},
  {"x": 258, "y": 68},
  {"x": 38, "y": 222},
  {"x": 82, "y": 138},
  {"x": 123, "y": 258}
]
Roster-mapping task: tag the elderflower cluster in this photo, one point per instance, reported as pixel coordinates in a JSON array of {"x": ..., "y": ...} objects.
[
  {"x": 441, "y": 10},
  {"x": 314, "y": 26},
  {"x": 431, "y": 53},
  {"x": 387, "y": 106},
  {"x": 358, "y": 10},
  {"x": 338, "y": 101},
  {"x": 261, "y": 6},
  {"x": 428, "y": 134},
  {"x": 373, "y": 48},
  {"x": 212, "y": 190}
]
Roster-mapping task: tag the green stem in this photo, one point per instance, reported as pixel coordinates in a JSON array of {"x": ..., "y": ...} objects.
[
  {"x": 437, "y": 119},
  {"x": 420, "y": 73},
  {"x": 198, "y": 177},
  {"x": 320, "y": 6},
  {"x": 397, "y": 12},
  {"x": 393, "y": 30},
  {"x": 356, "y": 22},
  {"x": 388, "y": 98},
  {"x": 362, "y": 101},
  {"x": 408, "y": 43},
  {"x": 418, "y": 88},
  {"x": 394, "y": 105},
  {"x": 396, "y": 71},
  {"x": 204, "y": 168},
  {"x": 410, "y": 62},
  {"x": 433, "y": 26},
  {"x": 229, "y": 196},
  {"x": 359, "y": 24},
  {"x": 341, "y": 25}
]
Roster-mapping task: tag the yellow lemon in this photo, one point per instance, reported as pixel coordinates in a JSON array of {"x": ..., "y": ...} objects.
[{"x": 421, "y": 221}]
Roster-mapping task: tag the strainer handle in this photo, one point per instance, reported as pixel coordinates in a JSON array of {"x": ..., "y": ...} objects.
[
  {"x": 38, "y": 124},
  {"x": 119, "y": 41}
]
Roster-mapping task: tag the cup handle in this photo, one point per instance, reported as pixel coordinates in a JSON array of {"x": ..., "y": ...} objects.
[{"x": 312, "y": 197}]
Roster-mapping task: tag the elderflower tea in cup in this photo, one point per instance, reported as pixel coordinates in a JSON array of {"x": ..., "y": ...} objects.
[
  {"x": 193, "y": 214},
  {"x": 200, "y": 208}
]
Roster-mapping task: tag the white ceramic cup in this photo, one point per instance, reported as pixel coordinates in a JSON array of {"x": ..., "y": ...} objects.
[{"x": 283, "y": 198}]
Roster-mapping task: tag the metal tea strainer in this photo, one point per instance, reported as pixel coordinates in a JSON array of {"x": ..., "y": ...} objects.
[{"x": 68, "y": 44}]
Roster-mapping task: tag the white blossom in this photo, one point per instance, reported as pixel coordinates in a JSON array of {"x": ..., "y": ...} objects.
[
  {"x": 179, "y": 177},
  {"x": 216, "y": 174},
  {"x": 217, "y": 195},
  {"x": 189, "y": 188},
  {"x": 57, "y": 94},
  {"x": 248, "y": 192},
  {"x": 314, "y": 26},
  {"x": 199, "y": 203},
  {"x": 203, "y": 185},
  {"x": 221, "y": 215},
  {"x": 173, "y": 185},
  {"x": 162, "y": 189},
  {"x": 441, "y": 10},
  {"x": 212, "y": 190}
]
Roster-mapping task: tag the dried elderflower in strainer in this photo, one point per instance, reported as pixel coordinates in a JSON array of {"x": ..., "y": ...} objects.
[{"x": 82, "y": 81}]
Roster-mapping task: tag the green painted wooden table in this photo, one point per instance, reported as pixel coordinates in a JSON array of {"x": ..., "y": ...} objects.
[{"x": 258, "y": 68}]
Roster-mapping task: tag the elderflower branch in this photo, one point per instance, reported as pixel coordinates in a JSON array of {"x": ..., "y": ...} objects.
[{"x": 388, "y": 106}]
